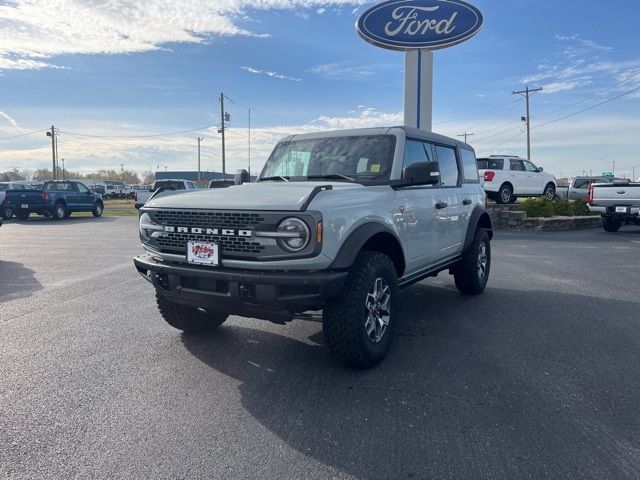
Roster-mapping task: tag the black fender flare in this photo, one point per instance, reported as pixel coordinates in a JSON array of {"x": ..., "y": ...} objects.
[
  {"x": 479, "y": 217},
  {"x": 357, "y": 240}
]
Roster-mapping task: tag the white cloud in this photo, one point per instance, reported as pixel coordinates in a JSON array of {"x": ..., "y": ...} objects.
[
  {"x": 280, "y": 76},
  {"x": 590, "y": 44},
  {"x": 11, "y": 121},
  {"x": 320, "y": 11},
  {"x": 346, "y": 70},
  {"x": 32, "y": 31}
]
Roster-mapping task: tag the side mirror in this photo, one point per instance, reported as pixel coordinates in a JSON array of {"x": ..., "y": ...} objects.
[
  {"x": 242, "y": 176},
  {"x": 540, "y": 169},
  {"x": 422, "y": 173}
]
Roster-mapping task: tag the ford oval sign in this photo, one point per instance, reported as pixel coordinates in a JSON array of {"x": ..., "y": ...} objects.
[{"x": 419, "y": 24}]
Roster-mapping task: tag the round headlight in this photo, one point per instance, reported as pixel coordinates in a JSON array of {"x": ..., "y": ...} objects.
[{"x": 295, "y": 234}]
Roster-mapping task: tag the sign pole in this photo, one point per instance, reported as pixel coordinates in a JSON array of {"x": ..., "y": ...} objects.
[{"x": 418, "y": 89}]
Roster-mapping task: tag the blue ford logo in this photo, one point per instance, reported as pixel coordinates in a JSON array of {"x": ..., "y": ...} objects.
[{"x": 419, "y": 24}]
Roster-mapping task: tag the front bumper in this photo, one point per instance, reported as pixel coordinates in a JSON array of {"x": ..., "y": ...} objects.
[{"x": 269, "y": 295}]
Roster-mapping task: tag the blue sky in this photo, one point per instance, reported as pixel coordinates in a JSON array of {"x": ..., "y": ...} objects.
[{"x": 128, "y": 68}]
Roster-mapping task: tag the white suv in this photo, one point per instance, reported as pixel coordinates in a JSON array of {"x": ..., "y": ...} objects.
[{"x": 506, "y": 178}]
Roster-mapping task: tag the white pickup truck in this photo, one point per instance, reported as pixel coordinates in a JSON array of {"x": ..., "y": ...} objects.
[{"x": 617, "y": 202}]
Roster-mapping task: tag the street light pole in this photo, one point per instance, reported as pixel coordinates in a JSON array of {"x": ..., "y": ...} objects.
[
  {"x": 52, "y": 134},
  {"x": 200, "y": 139},
  {"x": 527, "y": 92}
]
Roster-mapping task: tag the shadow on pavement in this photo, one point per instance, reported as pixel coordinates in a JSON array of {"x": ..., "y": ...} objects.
[
  {"x": 17, "y": 281},
  {"x": 510, "y": 384}
]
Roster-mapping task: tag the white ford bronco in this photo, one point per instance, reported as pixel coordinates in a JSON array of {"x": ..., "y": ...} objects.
[{"x": 337, "y": 221}]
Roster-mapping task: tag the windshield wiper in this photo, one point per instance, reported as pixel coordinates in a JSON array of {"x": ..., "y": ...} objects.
[
  {"x": 331, "y": 176},
  {"x": 278, "y": 178}
]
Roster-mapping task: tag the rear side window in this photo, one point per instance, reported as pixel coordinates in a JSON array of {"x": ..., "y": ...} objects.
[
  {"x": 490, "y": 164},
  {"x": 517, "y": 166},
  {"x": 170, "y": 185},
  {"x": 449, "y": 173},
  {"x": 469, "y": 165}
]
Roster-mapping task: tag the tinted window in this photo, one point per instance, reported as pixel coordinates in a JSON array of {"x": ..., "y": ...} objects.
[
  {"x": 416, "y": 151},
  {"x": 582, "y": 183},
  {"x": 82, "y": 188},
  {"x": 490, "y": 164},
  {"x": 169, "y": 185},
  {"x": 517, "y": 166},
  {"x": 449, "y": 173},
  {"x": 469, "y": 165},
  {"x": 530, "y": 167},
  {"x": 4, "y": 187},
  {"x": 58, "y": 187}
]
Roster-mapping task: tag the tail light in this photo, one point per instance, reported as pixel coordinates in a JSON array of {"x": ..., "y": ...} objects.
[
  {"x": 590, "y": 195},
  {"x": 489, "y": 176},
  {"x": 44, "y": 196}
]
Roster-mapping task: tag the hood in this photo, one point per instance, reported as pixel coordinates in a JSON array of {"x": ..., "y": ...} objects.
[{"x": 281, "y": 196}]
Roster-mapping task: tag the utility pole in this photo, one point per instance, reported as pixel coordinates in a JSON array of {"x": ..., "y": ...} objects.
[
  {"x": 63, "y": 174},
  {"x": 52, "y": 134},
  {"x": 465, "y": 135},
  {"x": 122, "y": 170},
  {"x": 200, "y": 139},
  {"x": 222, "y": 119},
  {"x": 249, "y": 144},
  {"x": 527, "y": 92}
]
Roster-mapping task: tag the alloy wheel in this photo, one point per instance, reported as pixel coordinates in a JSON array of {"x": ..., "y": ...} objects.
[{"x": 378, "y": 309}]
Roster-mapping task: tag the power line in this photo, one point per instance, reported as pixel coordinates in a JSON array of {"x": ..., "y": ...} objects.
[
  {"x": 474, "y": 115},
  {"x": 138, "y": 136},
  {"x": 589, "y": 108},
  {"x": 24, "y": 134}
]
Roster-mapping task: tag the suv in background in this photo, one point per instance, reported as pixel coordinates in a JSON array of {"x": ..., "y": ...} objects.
[
  {"x": 337, "y": 221},
  {"x": 506, "y": 178}
]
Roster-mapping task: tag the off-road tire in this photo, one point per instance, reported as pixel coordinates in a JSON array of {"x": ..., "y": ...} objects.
[
  {"x": 188, "y": 319},
  {"x": 550, "y": 192},
  {"x": 611, "y": 224},
  {"x": 98, "y": 210},
  {"x": 467, "y": 273},
  {"x": 344, "y": 317},
  {"x": 505, "y": 194},
  {"x": 59, "y": 211},
  {"x": 23, "y": 216},
  {"x": 7, "y": 213}
]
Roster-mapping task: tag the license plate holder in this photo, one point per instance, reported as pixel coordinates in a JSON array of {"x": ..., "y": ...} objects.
[
  {"x": 203, "y": 253},
  {"x": 622, "y": 209},
  {"x": 24, "y": 205}
]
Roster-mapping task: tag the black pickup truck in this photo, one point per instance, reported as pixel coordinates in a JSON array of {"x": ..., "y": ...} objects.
[{"x": 57, "y": 199}]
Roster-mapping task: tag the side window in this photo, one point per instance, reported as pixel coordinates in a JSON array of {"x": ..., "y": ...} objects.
[
  {"x": 469, "y": 165},
  {"x": 530, "y": 166},
  {"x": 517, "y": 166},
  {"x": 82, "y": 189},
  {"x": 416, "y": 151},
  {"x": 449, "y": 173}
]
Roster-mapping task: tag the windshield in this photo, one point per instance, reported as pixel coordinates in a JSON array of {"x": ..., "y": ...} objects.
[{"x": 359, "y": 159}]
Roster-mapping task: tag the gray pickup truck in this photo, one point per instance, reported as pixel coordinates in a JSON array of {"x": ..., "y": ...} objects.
[
  {"x": 618, "y": 203},
  {"x": 337, "y": 221}
]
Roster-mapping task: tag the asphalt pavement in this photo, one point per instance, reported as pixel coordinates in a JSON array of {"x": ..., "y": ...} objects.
[{"x": 537, "y": 378}]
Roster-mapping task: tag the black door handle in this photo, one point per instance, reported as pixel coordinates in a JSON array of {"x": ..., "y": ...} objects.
[
  {"x": 441, "y": 205},
  {"x": 467, "y": 202}
]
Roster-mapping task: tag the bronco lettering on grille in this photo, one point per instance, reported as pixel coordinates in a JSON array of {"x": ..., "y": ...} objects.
[{"x": 225, "y": 232}]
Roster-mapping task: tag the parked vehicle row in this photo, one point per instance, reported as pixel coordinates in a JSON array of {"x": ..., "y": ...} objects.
[
  {"x": 57, "y": 199},
  {"x": 505, "y": 178},
  {"x": 618, "y": 203}
]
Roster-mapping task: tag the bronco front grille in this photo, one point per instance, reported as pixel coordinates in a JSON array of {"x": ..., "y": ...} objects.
[
  {"x": 178, "y": 241},
  {"x": 207, "y": 218}
]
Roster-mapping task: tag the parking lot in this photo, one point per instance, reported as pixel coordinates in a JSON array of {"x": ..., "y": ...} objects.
[{"x": 539, "y": 377}]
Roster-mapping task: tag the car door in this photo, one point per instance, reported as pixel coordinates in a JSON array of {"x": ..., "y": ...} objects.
[
  {"x": 518, "y": 177},
  {"x": 537, "y": 180},
  {"x": 451, "y": 183},
  {"x": 422, "y": 218},
  {"x": 85, "y": 197},
  {"x": 70, "y": 194}
]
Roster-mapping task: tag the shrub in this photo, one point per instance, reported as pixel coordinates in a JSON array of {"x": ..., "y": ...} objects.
[
  {"x": 540, "y": 207},
  {"x": 580, "y": 208},
  {"x": 563, "y": 208}
]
